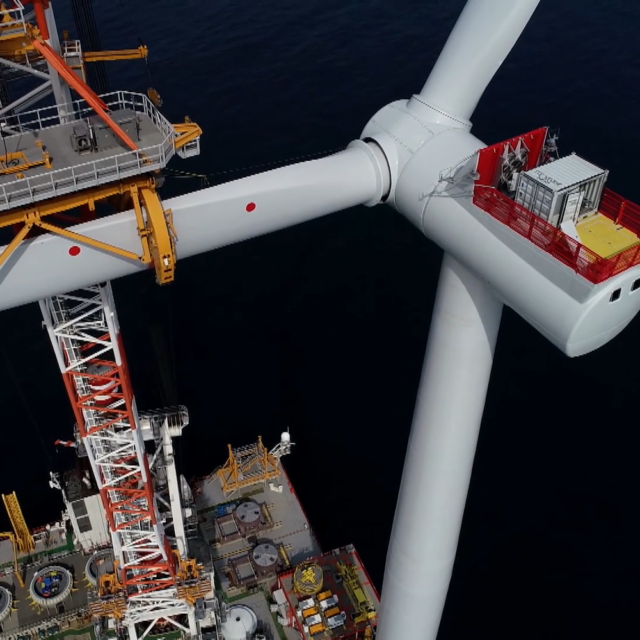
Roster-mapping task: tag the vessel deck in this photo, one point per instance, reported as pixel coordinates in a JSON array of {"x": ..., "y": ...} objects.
[
  {"x": 27, "y": 617},
  {"x": 72, "y": 171},
  {"x": 291, "y": 525}
]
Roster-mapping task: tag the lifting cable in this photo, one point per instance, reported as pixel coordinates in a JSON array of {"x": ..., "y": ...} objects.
[
  {"x": 27, "y": 409},
  {"x": 176, "y": 173},
  {"x": 89, "y": 37},
  {"x": 158, "y": 305}
]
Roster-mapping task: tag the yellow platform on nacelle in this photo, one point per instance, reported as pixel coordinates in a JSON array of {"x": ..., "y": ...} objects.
[{"x": 603, "y": 236}]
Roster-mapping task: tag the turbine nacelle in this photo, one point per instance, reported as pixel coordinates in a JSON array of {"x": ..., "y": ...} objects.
[{"x": 433, "y": 166}]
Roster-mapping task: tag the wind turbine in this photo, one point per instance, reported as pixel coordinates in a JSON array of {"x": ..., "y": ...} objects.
[{"x": 418, "y": 156}]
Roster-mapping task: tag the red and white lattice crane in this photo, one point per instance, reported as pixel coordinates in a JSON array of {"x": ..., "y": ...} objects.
[{"x": 85, "y": 334}]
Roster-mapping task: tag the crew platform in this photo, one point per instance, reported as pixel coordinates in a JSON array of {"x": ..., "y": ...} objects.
[
  {"x": 604, "y": 237},
  {"x": 83, "y": 152},
  {"x": 561, "y": 205}
]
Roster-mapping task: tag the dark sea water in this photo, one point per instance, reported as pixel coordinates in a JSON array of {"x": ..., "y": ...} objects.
[{"x": 323, "y": 327}]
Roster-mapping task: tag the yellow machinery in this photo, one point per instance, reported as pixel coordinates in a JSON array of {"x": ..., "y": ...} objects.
[
  {"x": 155, "y": 227},
  {"x": 308, "y": 578},
  {"x": 283, "y": 552},
  {"x": 357, "y": 595},
  {"x": 247, "y": 466},
  {"x": 110, "y": 598},
  {"x": 141, "y": 53},
  {"x": 187, "y": 132},
  {"x": 311, "y": 611},
  {"x": 17, "y": 162},
  {"x": 191, "y": 584},
  {"x": 23, "y": 537},
  {"x": 155, "y": 224}
]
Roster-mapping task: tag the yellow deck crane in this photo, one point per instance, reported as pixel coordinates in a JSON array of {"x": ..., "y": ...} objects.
[{"x": 21, "y": 538}]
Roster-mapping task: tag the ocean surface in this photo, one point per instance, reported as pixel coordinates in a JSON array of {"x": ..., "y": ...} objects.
[{"x": 322, "y": 327}]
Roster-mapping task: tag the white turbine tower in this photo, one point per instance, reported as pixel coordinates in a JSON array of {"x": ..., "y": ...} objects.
[{"x": 418, "y": 156}]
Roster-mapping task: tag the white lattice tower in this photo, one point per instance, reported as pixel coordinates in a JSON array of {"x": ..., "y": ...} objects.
[{"x": 84, "y": 331}]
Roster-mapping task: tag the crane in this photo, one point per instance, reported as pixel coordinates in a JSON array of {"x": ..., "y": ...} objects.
[
  {"x": 154, "y": 580},
  {"x": 419, "y": 156}
]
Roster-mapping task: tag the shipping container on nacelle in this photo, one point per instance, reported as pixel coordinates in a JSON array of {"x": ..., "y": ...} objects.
[{"x": 562, "y": 191}]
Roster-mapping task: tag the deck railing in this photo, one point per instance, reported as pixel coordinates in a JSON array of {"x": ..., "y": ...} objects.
[
  {"x": 557, "y": 244},
  {"x": 89, "y": 173},
  {"x": 621, "y": 211},
  {"x": 14, "y": 19}
]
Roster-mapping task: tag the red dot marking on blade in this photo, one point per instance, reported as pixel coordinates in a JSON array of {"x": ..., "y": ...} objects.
[
  {"x": 251, "y": 207},
  {"x": 74, "y": 251}
]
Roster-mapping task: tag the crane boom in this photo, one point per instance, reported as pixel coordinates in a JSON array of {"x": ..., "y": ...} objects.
[
  {"x": 23, "y": 537},
  {"x": 84, "y": 331},
  {"x": 151, "y": 584},
  {"x": 76, "y": 83}
]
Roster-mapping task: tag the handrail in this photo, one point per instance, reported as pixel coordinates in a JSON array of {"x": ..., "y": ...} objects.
[
  {"x": 557, "y": 244},
  {"x": 621, "y": 211},
  {"x": 45, "y": 117},
  {"x": 91, "y": 172},
  {"x": 16, "y": 20}
]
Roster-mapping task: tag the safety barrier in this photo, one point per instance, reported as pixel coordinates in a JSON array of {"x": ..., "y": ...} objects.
[{"x": 559, "y": 245}]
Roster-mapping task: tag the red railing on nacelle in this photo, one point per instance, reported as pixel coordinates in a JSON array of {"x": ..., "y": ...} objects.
[
  {"x": 559, "y": 245},
  {"x": 621, "y": 211}
]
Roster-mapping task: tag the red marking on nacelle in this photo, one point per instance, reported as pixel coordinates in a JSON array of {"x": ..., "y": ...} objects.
[
  {"x": 74, "y": 251},
  {"x": 251, "y": 207}
]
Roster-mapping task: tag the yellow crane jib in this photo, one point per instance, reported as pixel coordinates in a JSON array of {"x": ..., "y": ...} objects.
[
  {"x": 159, "y": 230},
  {"x": 186, "y": 132},
  {"x": 24, "y": 539},
  {"x": 141, "y": 53}
]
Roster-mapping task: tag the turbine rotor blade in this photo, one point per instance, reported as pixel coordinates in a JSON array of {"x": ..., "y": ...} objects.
[
  {"x": 440, "y": 453},
  {"x": 481, "y": 39},
  {"x": 204, "y": 220}
]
